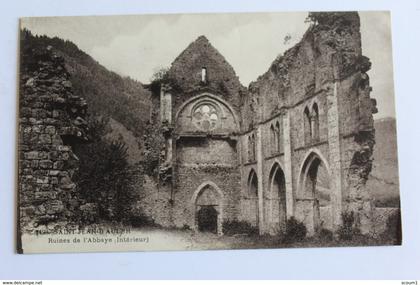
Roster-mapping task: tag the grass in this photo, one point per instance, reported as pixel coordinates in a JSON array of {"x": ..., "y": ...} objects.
[{"x": 187, "y": 239}]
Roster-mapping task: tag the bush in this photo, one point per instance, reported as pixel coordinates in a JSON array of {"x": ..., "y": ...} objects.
[
  {"x": 295, "y": 231},
  {"x": 104, "y": 175},
  {"x": 325, "y": 235},
  {"x": 390, "y": 202},
  {"x": 235, "y": 227},
  {"x": 348, "y": 229},
  {"x": 186, "y": 227},
  {"x": 393, "y": 230},
  {"x": 141, "y": 220}
]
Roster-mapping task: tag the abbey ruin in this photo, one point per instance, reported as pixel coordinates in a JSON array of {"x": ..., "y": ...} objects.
[{"x": 297, "y": 142}]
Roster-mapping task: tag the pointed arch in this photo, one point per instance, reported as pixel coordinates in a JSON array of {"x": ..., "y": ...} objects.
[
  {"x": 251, "y": 148},
  {"x": 276, "y": 168},
  {"x": 213, "y": 199},
  {"x": 253, "y": 184},
  {"x": 253, "y": 206},
  {"x": 272, "y": 139},
  {"x": 277, "y": 136},
  {"x": 202, "y": 186},
  {"x": 314, "y": 188},
  {"x": 308, "y": 158},
  {"x": 281, "y": 135},
  {"x": 307, "y": 130},
  {"x": 211, "y": 98},
  {"x": 315, "y": 122},
  {"x": 277, "y": 198}
]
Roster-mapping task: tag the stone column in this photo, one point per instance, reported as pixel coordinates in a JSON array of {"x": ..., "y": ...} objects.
[
  {"x": 259, "y": 158},
  {"x": 166, "y": 166},
  {"x": 166, "y": 121},
  {"x": 312, "y": 126},
  {"x": 334, "y": 144},
  {"x": 165, "y": 104},
  {"x": 220, "y": 219},
  {"x": 287, "y": 146},
  {"x": 169, "y": 149}
]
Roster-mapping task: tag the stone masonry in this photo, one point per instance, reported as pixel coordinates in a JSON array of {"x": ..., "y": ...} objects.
[{"x": 51, "y": 119}]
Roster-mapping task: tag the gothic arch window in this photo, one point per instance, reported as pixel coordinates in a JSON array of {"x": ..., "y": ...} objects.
[
  {"x": 207, "y": 202},
  {"x": 277, "y": 132},
  {"x": 273, "y": 141},
  {"x": 315, "y": 122},
  {"x": 251, "y": 148},
  {"x": 253, "y": 197},
  {"x": 253, "y": 184},
  {"x": 277, "y": 190},
  {"x": 204, "y": 74},
  {"x": 307, "y": 128},
  {"x": 206, "y": 116},
  {"x": 315, "y": 185},
  {"x": 281, "y": 136}
]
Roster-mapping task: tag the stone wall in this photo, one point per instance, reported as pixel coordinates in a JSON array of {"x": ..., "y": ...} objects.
[
  {"x": 184, "y": 75},
  {"x": 189, "y": 179},
  {"x": 50, "y": 121},
  {"x": 203, "y": 151},
  {"x": 327, "y": 69}
]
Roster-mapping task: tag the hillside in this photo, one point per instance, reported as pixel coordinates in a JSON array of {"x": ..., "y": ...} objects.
[
  {"x": 124, "y": 100},
  {"x": 120, "y": 133},
  {"x": 383, "y": 180}
]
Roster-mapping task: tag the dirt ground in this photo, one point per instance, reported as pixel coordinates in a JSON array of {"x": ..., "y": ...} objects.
[
  {"x": 189, "y": 240},
  {"x": 158, "y": 239}
]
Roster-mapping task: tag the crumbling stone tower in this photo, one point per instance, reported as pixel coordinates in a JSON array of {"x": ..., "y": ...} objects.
[{"x": 51, "y": 119}]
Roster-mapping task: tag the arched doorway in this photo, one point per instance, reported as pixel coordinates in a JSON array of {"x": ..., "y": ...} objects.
[
  {"x": 277, "y": 199},
  {"x": 253, "y": 198},
  {"x": 207, "y": 219},
  {"x": 315, "y": 189},
  {"x": 208, "y": 209}
]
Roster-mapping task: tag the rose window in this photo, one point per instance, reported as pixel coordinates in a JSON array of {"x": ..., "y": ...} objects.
[{"x": 205, "y": 117}]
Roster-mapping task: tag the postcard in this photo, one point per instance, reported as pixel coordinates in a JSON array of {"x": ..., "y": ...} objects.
[{"x": 207, "y": 131}]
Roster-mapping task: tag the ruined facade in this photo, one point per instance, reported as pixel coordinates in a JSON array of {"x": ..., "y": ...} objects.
[{"x": 298, "y": 142}]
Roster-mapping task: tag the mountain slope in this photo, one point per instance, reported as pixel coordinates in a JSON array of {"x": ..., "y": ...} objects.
[
  {"x": 120, "y": 133},
  {"x": 108, "y": 95},
  {"x": 383, "y": 180}
]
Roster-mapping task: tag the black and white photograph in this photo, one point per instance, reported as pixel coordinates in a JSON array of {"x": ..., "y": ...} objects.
[{"x": 206, "y": 131}]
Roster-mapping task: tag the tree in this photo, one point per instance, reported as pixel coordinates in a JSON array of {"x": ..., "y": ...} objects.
[{"x": 104, "y": 175}]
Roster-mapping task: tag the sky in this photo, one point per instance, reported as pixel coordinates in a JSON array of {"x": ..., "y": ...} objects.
[{"x": 139, "y": 45}]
